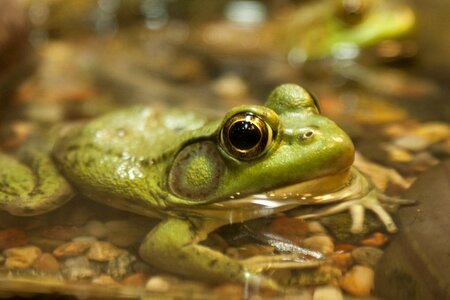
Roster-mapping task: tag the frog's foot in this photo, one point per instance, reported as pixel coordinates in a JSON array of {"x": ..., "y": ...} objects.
[
  {"x": 372, "y": 201},
  {"x": 31, "y": 188},
  {"x": 173, "y": 246},
  {"x": 261, "y": 263}
]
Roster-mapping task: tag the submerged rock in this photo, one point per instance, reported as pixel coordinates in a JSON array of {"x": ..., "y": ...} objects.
[{"x": 416, "y": 263}]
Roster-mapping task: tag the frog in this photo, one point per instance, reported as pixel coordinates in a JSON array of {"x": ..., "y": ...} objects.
[
  {"x": 340, "y": 28},
  {"x": 310, "y": 31},
  {"x": 198, "y": 174}
]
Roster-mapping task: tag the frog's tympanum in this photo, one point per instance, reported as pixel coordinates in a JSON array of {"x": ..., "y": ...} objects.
[{"x": 198, "y": 175}]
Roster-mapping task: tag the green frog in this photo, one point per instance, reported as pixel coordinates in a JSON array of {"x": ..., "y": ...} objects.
[
  {"x": 198, "y": 175},
  {"x": 339, "y": 28}
]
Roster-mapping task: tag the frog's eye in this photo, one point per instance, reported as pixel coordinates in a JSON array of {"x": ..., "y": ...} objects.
[
  {"x": 352, "y": 12},
  {"x": 246, "y": 136}
]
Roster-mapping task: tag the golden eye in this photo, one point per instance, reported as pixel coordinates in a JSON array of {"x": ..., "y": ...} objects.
[
  {"x": 246, "y": 136},
  {"x": 352, "y": 12}
]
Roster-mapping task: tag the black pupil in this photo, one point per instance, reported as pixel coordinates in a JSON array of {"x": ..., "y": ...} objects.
[{"x": 244, "y": 135}]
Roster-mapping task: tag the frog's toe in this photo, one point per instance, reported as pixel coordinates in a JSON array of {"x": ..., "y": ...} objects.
[{"x": 389, "y": 200}]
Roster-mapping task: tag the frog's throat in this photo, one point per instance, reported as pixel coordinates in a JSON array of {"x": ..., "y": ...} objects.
[{"x": 343, "y": 186}]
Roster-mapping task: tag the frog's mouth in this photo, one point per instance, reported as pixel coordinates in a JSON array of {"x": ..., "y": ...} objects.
[{"x": 334, "y": 188}]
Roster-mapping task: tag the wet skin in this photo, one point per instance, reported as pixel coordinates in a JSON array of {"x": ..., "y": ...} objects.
[{"x": 198, "y": 175}]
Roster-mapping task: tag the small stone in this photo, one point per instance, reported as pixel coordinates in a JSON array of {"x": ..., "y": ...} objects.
[
  {"x": 46, "y": 263},
  {"x": 367, "y": 256},
  {"x": 89, "y": 239},
  {"x": 62, "y": 232},
  {"x": 321, "y": 243},
  {"x": 314, "y": 227},
  {"x": 136, "y": 279},
  {"x": 21, "y": 257},
  {"x": 342, "y": 260},
  {"x": 77, "y": 268},
  {"x": 104, "y": 280},
  {"x": 158, "y": 284},
  {"x": 103, "y": 251},
  {"x": 327, "y": 293},
  {"x": 398, "y": 154},
  {"x": 343, "y": 247},
  {"x": 359, "y": 281},
  {"x": 411, "y": 142},
  {"x": 377, "y": 239},
  {"x": 12, "y": 237},
  {"x": 433, "y": 131},
  {"x": 96, "y": 228},
  {"x": 74, "y": 248},
  {"x": 120, "y": 266}
]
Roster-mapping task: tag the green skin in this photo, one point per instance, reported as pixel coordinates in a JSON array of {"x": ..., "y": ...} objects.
[
  {"x": 321, "y": 27},
  {"x": 175, "y": 165}
]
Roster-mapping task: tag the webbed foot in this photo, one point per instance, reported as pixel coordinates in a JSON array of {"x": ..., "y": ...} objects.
[{"x": 374, "y": 201}]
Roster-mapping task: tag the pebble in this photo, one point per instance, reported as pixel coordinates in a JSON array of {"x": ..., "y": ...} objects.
[
  {"x": 103, "y": 251},
  {"x": 158, "y": 284},
  {"x": 342, "y": 260},
  {"x": 21, "y": 257},
  {"x": 377, "y": 239},
  {"x": 136, "y": 279},
  {"x": 12, "y": 237},
  {"x": 314, "y": 227},
  {"x": 46, "y": 263},
  {"x": 321, "y": 243},
  {"x": 62, "y": 232},
  {"x": 359, "y": 281},
  {"x": 120, "y": 266},
  {"x": 96, "y": 229},
  {"x": 327, "y": 293},
  {"x": 104, "y": 280},
  {"x": 411, "y": 142},
  {"x": 70, "y": 249},
  {"x": 433, "y": 131},
  {"x": 367, "y": 256},
  {"x": 77, "y": 268}
]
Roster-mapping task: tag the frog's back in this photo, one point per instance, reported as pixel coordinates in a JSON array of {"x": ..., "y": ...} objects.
[{"x": 121, "y": 157}]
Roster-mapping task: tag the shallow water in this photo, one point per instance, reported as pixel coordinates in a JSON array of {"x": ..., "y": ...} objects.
[{"x": 87, "y": 61}]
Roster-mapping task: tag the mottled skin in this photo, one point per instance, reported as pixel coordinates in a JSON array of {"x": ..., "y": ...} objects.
[{"x": 176, "y": 165}]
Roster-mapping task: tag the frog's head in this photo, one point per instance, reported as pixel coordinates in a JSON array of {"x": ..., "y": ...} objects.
[
  {"x": 339, "y": 27},
  {"x": 260, "y": 148}
]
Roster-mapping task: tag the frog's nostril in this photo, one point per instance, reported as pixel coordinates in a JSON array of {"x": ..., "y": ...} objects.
[{"x": 308, "y": 134}]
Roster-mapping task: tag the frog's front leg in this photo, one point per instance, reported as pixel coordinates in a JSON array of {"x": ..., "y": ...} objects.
[
  {"x": 31, "y": 187},
  {"x": 174, "y": 246},
  {"x": 372, "y": 201}
]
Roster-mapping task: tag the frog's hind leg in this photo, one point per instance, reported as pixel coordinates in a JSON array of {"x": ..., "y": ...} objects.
[
  {"x": 31, "y": 187},
  {"x": 173, "y": 246}
]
